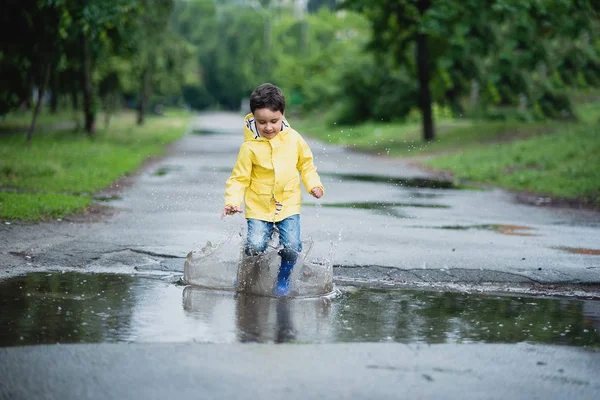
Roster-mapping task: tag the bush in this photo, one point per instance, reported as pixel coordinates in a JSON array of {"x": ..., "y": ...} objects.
[{"x": 197, "y": 97}]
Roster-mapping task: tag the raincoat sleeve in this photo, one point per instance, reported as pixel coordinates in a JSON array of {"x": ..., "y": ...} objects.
[
  {"x": 307, "y": 168},
  {"x": 236, "y": 185}
]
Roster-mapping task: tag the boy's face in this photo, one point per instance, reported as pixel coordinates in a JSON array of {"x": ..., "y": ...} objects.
[{"x": 268, "y": 122}]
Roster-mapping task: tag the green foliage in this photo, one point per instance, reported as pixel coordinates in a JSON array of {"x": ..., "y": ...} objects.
[
  {"x": 331, "y": 56},
  {"x": 229, "y": 51},
  {"x": 101, "y": 50},
  {"x": 554, "y": 158},
  {"x": 30, "y": 36},
  {"x": 62, "y": 163},
  {"x": 500, "y": 53},
  {"x": 485, "y": 58},
  {"x": 316, "y": 5}
]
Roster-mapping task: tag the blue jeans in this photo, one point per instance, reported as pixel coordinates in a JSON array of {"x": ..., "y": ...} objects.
[{"x": 259, "y": 233}]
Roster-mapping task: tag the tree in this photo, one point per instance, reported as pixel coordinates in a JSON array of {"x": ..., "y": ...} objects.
[
  {"x": 28, "y": 61},
  {"x": 315, "y": 5},
  {"x": 150, "y": 42},
  {"x": 397, "y": 27},
  {"x": 95, "y": 28},
  {"x": 510, "y": 49},
  {"x": 195, "y": 22}
]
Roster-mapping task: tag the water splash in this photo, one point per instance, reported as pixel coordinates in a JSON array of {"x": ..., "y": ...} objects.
[{"x": 224, "y": 266}]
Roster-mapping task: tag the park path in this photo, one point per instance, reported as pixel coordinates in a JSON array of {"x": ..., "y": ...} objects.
[
  {"x": 182, "y": 341},
  {"x": 390, "y": 222}
]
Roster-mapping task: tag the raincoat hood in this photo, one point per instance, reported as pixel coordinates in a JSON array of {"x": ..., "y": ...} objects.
[{"x": 251, "y": 130}]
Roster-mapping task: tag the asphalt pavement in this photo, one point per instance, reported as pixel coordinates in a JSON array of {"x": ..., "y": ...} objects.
[
  {"x": 378, "y": 223},
  {"x": 382, "y": 222},
  {"x": 336, "y": 371}
]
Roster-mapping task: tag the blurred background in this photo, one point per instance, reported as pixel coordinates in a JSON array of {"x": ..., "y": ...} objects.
[{"x": 507, "y": 91}]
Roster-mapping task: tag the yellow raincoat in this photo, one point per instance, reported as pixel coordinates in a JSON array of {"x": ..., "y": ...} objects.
[{"x": 267, "y": 173}]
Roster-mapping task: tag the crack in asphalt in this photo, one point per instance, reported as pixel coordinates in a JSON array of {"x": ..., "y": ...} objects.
[
  {"x": 138, "y": 251},
  {"x": 153, "y": 254},
  {"x": 417, "y": 272}
]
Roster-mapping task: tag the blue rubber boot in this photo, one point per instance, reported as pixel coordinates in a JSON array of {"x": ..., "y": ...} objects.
[{"x": 282, "y": 286}]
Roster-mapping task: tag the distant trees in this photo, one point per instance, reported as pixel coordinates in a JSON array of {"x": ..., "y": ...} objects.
[
  {"x": 493, "y": 58},
  {"x": 504, "y": 52},
  {"x": 93, "y": 51},
  {"x": 489, "y": 58}
]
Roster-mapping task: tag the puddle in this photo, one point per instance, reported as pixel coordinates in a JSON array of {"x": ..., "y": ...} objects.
[
  {"x": 375, "y": 205},
  {"x": 74, "y": 308},
  {"x": 108, "y": 198},
  {"x": 580, "y": 250},
  {"x": 512, "y": 230},
  {"x": 422, "y": 195},
  {"x": 218, "y": 169},
  {"x": 406, "y": 182},
  {"x": 165, "y": 169},
  {"x": 205, "y": 132},
  {"x": 384, "y": 208}
]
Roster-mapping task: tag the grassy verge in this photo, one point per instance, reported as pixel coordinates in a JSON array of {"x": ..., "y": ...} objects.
[
  {"x": 549, "y": 158},
  {"x": 62, "y": 169},
  {"x": 35, "y": 206},
  {"x": 565, "y": 165},
  {"x": 405, "y": 139}
]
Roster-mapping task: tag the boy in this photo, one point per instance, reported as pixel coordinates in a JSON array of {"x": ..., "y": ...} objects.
[{"x": 265, "y": 176}]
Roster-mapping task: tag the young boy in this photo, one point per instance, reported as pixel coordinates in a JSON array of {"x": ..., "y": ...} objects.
[{"x": 265, "y": 176}]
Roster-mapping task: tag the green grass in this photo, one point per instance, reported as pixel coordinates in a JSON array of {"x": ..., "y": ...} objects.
[
  {"x": 566, "y": 164},
  {"x": 589, "y": 113},
  {"x": 553, "y": 158},
  {"x": 21, "y": 120},
  {"x": 399, "y": 139},
  {"x": 63, "y": 168},
  {"x": 35, "y": 206}
]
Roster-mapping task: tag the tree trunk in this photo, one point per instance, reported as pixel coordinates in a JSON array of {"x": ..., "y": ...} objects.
[
  {"x": 424, "y": 79},
  {"x": 88, "y": 95},
  {"x": 74, "y": 98},
  {"x": 144, "y": 95},
  {"x": 36, "y": 111},
  {"x": 53, "y": 92},
  {"x": 474, "y": 96}
]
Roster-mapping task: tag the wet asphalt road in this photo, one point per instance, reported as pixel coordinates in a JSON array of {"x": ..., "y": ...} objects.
[
  {"x": 387, "y": 232},
  {"x": 403, "y": 234},
  {"x": 336, "y": 371}
]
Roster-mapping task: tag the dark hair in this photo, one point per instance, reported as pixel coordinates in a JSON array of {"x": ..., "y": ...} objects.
[{"x": 267, "y": 96}]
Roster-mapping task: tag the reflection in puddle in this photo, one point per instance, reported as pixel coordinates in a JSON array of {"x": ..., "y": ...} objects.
[
  {"x": 205, "y": 132},
  {"x": 580, "y": 250},
  {"x": 381, "y": 207},
  {"x": 423, "y": 195},
  {"x": 217, "y": 169},
  {"x": 513, "y": 230},
  {"x": 265, "y": 319},
  {"x": 406, "y": 182},
  {"x": 108, "y": 198},
  {"x": 376, "y": 205},
  {"x": 72, "y": 307},
  {"x": 165, "y": 169}
]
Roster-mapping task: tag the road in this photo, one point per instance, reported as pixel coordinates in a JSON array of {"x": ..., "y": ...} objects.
[
  {"x": 382, "y": 231},
  {"x": 388, "y": 224},
  {"x": 336, "y": 371}
]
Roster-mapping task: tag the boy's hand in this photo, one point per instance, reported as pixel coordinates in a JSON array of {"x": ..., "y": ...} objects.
[
  {"x": 230, "y": 210},
  {"x": 317, "y": 192}
]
